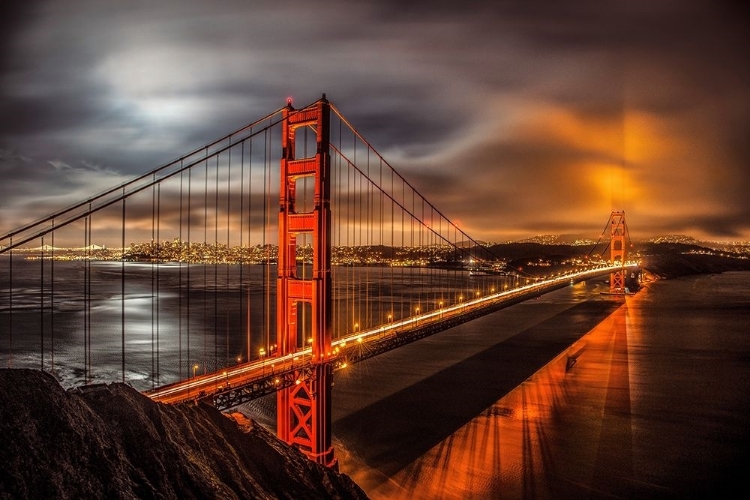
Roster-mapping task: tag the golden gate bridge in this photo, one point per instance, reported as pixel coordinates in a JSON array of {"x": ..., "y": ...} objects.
[{"x": 259, "y": 263}]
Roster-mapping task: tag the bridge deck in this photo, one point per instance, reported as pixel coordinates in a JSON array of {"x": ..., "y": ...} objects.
[{"x": 244, "y": 382}]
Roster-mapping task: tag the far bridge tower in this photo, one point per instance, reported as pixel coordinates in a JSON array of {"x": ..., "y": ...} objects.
[{"x": 617, "y": 251}]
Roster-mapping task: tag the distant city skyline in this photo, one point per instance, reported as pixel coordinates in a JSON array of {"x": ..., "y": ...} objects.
[{"x": 514, "y": 119}]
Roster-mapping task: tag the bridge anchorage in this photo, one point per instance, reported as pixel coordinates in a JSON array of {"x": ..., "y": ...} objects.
[{"x": 363, "y": 264}]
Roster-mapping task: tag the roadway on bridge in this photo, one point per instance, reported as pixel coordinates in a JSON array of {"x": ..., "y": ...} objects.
[{"x": 273, "y": 373}]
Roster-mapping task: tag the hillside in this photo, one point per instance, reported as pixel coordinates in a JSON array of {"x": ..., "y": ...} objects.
[
  {"x": 665, "y": 260},
  {"x": 112, "y": 442},
  {"x": 674, "y": 265}
]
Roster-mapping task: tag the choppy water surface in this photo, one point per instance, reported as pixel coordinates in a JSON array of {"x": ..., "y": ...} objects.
[{"x": 650, "y": 401}]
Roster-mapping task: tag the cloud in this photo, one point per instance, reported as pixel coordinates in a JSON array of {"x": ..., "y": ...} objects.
[
  {"x": 512, "y": 117},
  {"x": 59, "y": 165}
]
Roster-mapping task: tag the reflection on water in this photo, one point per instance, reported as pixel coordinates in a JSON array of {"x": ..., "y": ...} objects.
[
  {"x": 152, "y": 324},
  {"x": 651, "y": 403},
  {"x": 514, "y": 448}
]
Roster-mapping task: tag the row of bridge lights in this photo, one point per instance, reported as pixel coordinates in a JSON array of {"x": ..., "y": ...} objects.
[
  {"x": 261, "y": 355},
  {"x": 417, "y": 309},
  {"x": 477, "y": 294},
  {"x": 272, "y": 348},
  {"x": 262, "y": 351},
  {"x": 441, "y": 303}
]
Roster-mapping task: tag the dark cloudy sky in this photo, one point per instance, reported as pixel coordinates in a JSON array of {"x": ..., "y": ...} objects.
[{"x": 517, "y": 118}]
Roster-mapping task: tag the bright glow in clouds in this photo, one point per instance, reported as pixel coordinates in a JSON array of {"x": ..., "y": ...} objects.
[{"x": 515, "y": 118}]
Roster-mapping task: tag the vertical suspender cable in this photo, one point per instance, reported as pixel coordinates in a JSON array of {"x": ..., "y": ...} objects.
[
  {"x": 52, "y": 300},
  {"x": 227, "y": 262},
  {"x": 41, "y": 303},
  {"x": 403, "y": 245},
  {"x": 158, "y": 267},
  {"x": 153, "y": 277},
  {"x": 216, "y": 266},
  {"x": 380, "y": 228},
  {"x": 266, "y": 228},
  {"x": 86, "y": 259},
  {"x": 204, "y": 264},
  {"x": 268, "y": 153},
  {"x": 189, "y": 261},
  {"x": 392, "y": 311},
  {"x": 368, "y": 234},
  {"x": 10, "y": 304},
  {"x": 242, "y": 249},
  {"x": 249, "y": 232},
  {"x": 122, "y": 287},
  {"x": 340, "y": 297},
  {"x": 88, "y": 296},
  {"x": 181, "y": 256},
  {"x": 413, "y": 254}
]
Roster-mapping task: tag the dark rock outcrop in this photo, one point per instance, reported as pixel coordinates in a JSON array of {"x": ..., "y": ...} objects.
[{"x": 110, "y": 441}]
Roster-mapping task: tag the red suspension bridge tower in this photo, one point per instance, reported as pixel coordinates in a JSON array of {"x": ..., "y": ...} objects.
[
  {"x": 617, "y": 251},
  {"x": 304, "y": 409}
]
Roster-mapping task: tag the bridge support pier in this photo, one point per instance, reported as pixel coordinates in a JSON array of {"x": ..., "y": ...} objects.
[{"x": 304, "y": 410}]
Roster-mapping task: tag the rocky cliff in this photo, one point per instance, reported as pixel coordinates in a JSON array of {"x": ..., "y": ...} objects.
[{"x": 110, "y": 441}]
